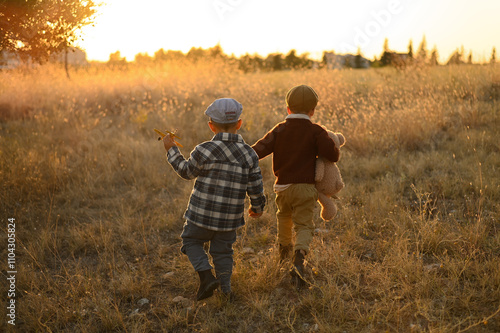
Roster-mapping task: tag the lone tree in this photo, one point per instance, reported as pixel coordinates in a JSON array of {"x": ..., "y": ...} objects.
[
  {"x": 433, "y": 60},
  {"x": 291, "y": 60},
  {"x": 410, "y": 50},
  {"x": 493, "y": 58},
  {"x": 385, "y": 58},
  {"x": 35, "y": 29},
  {"x": 456, "y": 58},
  {"x": 422, "y": 50},
  {"x": 358, "y": 59}
]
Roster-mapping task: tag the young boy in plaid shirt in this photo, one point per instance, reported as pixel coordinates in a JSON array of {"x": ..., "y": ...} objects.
[{"x": 226, "y": 170}]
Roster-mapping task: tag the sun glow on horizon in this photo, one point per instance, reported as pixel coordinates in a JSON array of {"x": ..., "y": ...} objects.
[{"x": 261, "y": 27}]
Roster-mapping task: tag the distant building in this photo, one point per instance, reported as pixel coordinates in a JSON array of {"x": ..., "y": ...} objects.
[
  {"x": 399, "y": 59},
  {"x": 333, "y": 61},
  {"x": 339, "y": 61},
  {"x": 9, "y": 60},
  {"x": 76, "y": 57}
]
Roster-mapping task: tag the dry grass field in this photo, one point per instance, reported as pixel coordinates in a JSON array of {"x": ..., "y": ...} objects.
[{"x": 98, "y": 210}]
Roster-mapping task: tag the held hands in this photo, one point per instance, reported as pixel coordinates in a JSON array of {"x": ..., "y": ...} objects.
[{"x": 251, "y": 213}]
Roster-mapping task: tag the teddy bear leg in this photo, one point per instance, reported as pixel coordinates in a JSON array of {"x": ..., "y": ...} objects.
[{"x": 328, "y": 207}]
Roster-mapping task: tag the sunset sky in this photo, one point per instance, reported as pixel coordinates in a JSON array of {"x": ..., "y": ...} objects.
[{"x": 259, "y": 26}]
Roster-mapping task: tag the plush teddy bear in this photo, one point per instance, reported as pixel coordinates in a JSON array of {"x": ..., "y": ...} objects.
[{"x": 329, "y": 181}]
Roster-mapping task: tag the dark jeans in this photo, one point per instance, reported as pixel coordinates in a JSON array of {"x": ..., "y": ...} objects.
[{"x": 221, "y": 250}]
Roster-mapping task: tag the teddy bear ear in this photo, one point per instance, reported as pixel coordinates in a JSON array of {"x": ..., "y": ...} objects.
[
  {"x": 341, "y": 138},
  {"x": 335, "y": 138}
]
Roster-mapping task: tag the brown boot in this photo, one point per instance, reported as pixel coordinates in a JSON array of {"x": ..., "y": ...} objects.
[
  {"x": 297, "y": 271},
  {"x": 284, "y": 252},
  {"x": 208, "y": 283}
]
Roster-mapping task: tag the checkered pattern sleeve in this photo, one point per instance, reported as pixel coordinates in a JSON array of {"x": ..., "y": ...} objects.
[
  {"x": 226, "y": 171},
  {"x": 255, "y": 188},
  {"x": 187, "y": 169}
]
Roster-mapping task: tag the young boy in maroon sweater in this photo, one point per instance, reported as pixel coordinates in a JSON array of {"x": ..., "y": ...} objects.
[{"x": 295, "y": 145}]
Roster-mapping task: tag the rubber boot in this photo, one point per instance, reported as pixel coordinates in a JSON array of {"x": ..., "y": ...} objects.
[
  {"x": 208, "y": 283},
  {"x": 297, "y": 271}
]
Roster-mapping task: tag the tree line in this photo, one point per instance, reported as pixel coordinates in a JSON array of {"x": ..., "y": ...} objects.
[
  {"x": 279, "y": 61},
  {"x": 425, "y": 57},
  {"x": 246, "y": 63},
  {"x": 34, "y": 30}
]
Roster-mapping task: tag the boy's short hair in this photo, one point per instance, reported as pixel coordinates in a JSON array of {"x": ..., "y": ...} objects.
[
  {"x": 301, "y": 99},
  {"x": 224, "y": 127}
]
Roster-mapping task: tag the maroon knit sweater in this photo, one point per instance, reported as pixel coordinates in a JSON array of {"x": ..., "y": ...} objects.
[{"x": 295, "y": 144}]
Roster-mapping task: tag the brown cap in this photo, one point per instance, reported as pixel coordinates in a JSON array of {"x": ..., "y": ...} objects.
[{"x": 301, "y": 98}]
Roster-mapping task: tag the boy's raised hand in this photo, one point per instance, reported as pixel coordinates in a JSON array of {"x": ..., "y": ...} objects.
[{"x": 168, "y": 142}]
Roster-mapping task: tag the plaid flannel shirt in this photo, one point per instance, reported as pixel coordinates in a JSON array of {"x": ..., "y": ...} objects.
[{"x": 226, "y": 169}]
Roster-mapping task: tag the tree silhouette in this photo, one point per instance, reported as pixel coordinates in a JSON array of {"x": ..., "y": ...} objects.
[
  {"x": 35, "y": 29},
  {"x": 291, "y": 60},
  {"x": 304, "y": 61},
  {"x": 493, "y": 58},
  {"x": 274, "y": 61},
  {"x": 216, "y": 51},
  {"x": 248, "y": 63},
  {"x": 116, "y": 59},
  {"x": 278, "y": 62},
  {"x": 385, "y": 58},
  {"x": 358, "y": 59},
  {"x": 161, "y": 55},
  {"x": 143, "y": 58},
  {"x": 196, "y": 53},
  {"x": 324, "y": 59},
  {"x": 245, "y": 63},
  {"x": 410, "y": 50},
  {"x": 422, "y": 50},
  {"x": 456, "y": 58},
  {"x": 433, "y": 60}
]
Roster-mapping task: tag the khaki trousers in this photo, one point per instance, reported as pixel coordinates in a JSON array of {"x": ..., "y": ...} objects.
[{"x": 295, "y": 209}]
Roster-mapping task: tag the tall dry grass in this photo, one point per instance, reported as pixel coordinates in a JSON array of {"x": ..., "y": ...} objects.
[{"x": 415, "y": 246}]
